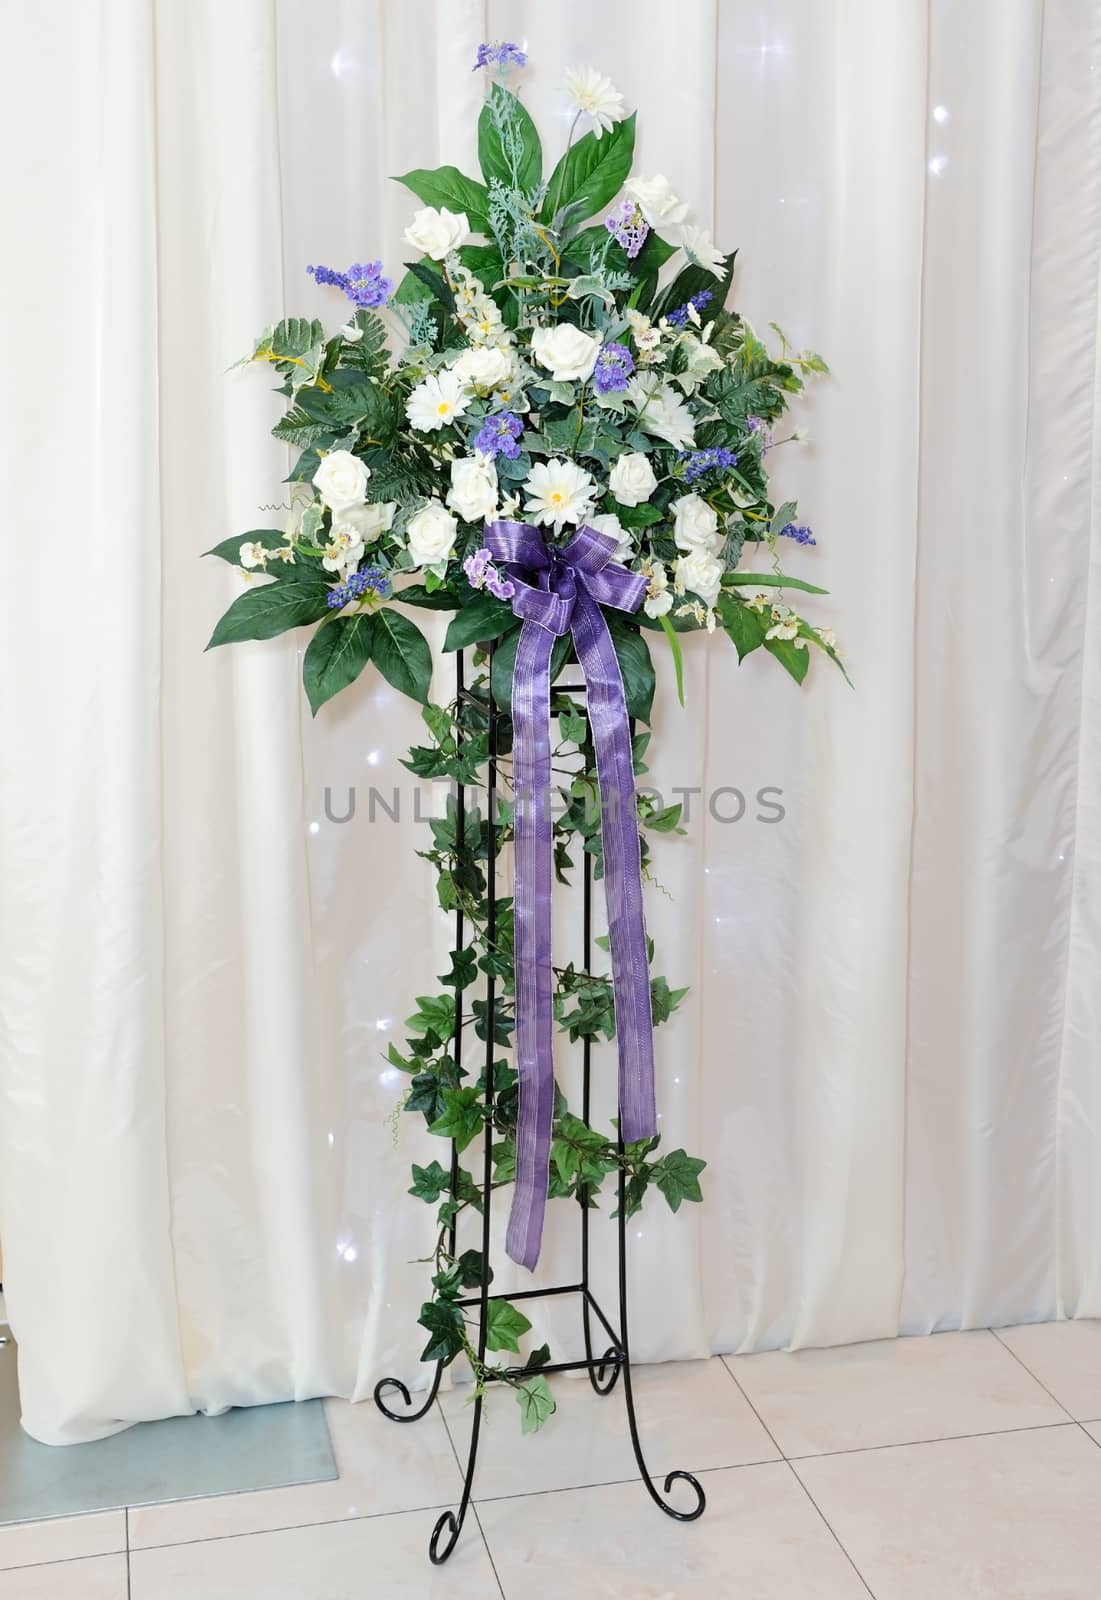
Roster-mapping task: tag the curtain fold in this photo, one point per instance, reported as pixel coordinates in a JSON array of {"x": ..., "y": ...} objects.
[{"x": 886, "y": 903}]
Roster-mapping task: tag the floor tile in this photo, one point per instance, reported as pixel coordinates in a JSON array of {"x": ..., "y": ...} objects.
[
  {"x": 1066, "y": 1357},
  {"x": 690, "y": 1415},
  {"x": 380, "y": 1558},
  {"x": 101, "y": 1578},
  {"x": 24, "y": 1544},
  {"x": 892, "y": 1391},
  {"x": 760, "y": 1539},
  {"x": 384, "y": 1467},
  {"x": 1012, "y": 1516}
]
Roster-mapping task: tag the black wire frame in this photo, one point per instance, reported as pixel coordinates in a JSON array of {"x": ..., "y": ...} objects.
[{"x": 604, "y": 1370}]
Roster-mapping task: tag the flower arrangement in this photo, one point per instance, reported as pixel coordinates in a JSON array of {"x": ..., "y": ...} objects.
[{"x": 559, "y": 358}]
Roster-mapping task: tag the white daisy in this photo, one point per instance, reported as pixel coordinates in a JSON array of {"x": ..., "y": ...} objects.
[
  {"x": 597, "y": 96},
  {"x": 558, "y": 492},
  {"x": 699, "y": 247},
  {"x": 436, "y": 402}
]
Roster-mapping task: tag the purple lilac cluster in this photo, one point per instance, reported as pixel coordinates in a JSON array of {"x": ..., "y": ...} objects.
[
  {"x": 365, "y": 283},
  {"x": 614, "y": 366},
  {"x": 801, "y": 535},
  {"x": 679, "y": 317},
  {"x": 703, "y": 461},
  {"x": 500, "y": 436},
  {"x": 759, "y": 425},
  {"x": 500, "y": 53},
  {"x": 482, "y": 574},
  {"x": 370, "y": 580},
  {"x": 628, "y": 227}
]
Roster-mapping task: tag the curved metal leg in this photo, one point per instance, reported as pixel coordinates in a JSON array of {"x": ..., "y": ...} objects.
[
  {"x": 451, "y": 1522},
  {"x": 628, "y": 1392},
  {"x": 395, "y": 1383}
]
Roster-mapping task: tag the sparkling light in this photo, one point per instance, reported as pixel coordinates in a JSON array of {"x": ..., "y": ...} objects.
[
  {"x": 315, "y": 827},
  {"x": 940, "y": 113},
  {"x": 937, "y": 165}
]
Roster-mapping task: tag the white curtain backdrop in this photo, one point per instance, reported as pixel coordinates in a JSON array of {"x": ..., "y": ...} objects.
[{"x": 890, "y": 1053}]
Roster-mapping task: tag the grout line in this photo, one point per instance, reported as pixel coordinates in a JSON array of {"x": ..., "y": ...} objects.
[
  {"x": 752, "y": 1407},
  {"x": 127, "y": 1516},
  {"x": 940, "y": 1438},
  {"x": 1010, "y": 1351},
  {"x": 473, "y": 1507},
  {"x": 612, "y": 1483},
  {"x": 488, "y": 1551},
  {"x": 64, "y": 1561}
]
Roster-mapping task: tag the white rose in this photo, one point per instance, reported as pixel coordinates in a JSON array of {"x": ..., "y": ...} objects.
[
  {"x": 369, "y": 520},
  {"x": 608, "y": 523},
  {"x": 632, "y": 479},
  {"x": 701, "y": 571},
  {"x": 565, "y": 351},
  {"x": 696, "y": 525},
  {"x": 484, "y": 368},
  {"x": 437, "y": 233},
  {"x": 655, "y": 199},
  {"x": 341, "y": 480},
  {"x": 473, "y": 492},
  {"x": 431, "y": 535}
]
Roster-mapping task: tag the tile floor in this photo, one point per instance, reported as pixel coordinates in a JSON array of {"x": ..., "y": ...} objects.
[{"x": 964, "y": 1465}]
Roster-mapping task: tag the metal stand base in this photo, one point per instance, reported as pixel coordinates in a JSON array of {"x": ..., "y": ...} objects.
[{"x": 604, "y": 1370}]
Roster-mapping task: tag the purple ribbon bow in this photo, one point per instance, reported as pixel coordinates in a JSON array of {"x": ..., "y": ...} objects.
[{"x": 558, "y": 590}]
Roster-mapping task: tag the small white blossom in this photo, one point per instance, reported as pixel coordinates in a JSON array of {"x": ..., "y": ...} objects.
[
  {"x": 785, "y": 625},
  {"x": 659, "y": 596},
  {"x": 253, "y": 555},
  {"x": 343, "y": 552}
]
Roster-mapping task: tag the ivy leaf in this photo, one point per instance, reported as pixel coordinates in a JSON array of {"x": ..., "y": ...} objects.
[
  {"x": 504, "y": 108},
  {"x": 444, "y": 1323},
  {"x": 464, "y": 968},
  {"x": 483, "y": 618},
  {"x": 470, "y": 1270},
  {"x": 665, "y": 820},
  {"x": 591, "y": 173},
  {"x": 435, "y": 1012},
  {"x": 792, "y": 657},
  {"x": 400, "y": 652},
  {"x": 461, "y": 1118},
  {"x": 505, "y": 1326},
  {"x": 663, "y": 1000},
  {"x": 447, "y": 186},
  {"x": 538, "y": 1358},
  {"x": 335, "y": 657},
  {"x": 426, "y": 1096},
  {"x": 536, "y": 1404},
  {"x": 746, "y": 627},
  {"x": 677, "y": 1176},
  {"x": 430, "y": 1182},
  {"x": 270, "y": 610},
  {"x": 633, "y": 655}
]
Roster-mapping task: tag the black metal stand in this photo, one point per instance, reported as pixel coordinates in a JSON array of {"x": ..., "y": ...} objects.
[{"x": 603, "y": 1370}]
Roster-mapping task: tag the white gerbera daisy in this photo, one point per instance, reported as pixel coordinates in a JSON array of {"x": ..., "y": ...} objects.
[
  {"x": 597, "y": 96},
  {"x": 436, "y": 402},
  {"x": 558, "y": 492},
  {"x": 699, "y": 247}
]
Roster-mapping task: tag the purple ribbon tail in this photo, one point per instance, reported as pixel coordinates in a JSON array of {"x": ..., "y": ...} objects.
[{"x": 531, "y": 756}]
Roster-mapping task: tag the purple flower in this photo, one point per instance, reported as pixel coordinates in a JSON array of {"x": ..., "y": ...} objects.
[
  {"x": 500, "y": 53},
  {"x": 364, "y": 282},
  {"x": 628, "y": 227},
  {"x": 614, "y": 366},
  {"x": 482, "y": 574},
  {"x": 369, "y": 580},
  {"x": 500, "y": 588},
  {"x": 792, "y": 530},
  {"x": 703, "y": 461},
  {"x": 759, "y": 425},
  {"x": 499, "y": 435},
  {"x": 679, "y": 317}
]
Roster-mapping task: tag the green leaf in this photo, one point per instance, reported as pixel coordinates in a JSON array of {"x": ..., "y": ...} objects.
[
  {"x": 400, "y": 652},
  {"x": 471, "y": 1270},
  {"x": 503, "y": 109},
  {"x": 538, "y": 1358},
  {"x": 643, "y": 516},
  {"x": 264, "y": 612},
  {"x": 415, "y": 594},
  {"x": 505, "y": 1326},
  {"x": 591, "y": 173},
  {"x": 335, "y": 657},
  {"x": 794, "y": 658},
  {"x": 770, "y": 580},
  {"x": 444, "y": 1323},
  {"x": 482, "y": 618},
  {"x": 298, "y": 428},
  {"x": 666, "y": 820},
  {"x": 690, "y": 281},
  {"x": 268, "y": 539},
  {"x": 461, "y": 1118},
  {"x": 409, "y": 290},
  {"x": 430, "y": 1182},
  {"x": 536, "y": 1404},
  {"x": 678, "y": 659},
  {"x": 746, "y": 627},
  {"x": 633, "y": 655},
  {"x": 435, "y": 1013},
  {"x": 484, "y": 261},
  {"x": 447, "y": 186},
  {"x": 678, "y": 1177},
  {"x": 663, "y": 1000}
]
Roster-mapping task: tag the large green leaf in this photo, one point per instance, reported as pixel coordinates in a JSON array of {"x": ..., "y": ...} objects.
[
  {"x": 268, "y": 538},
  {"x": 678, "y": 1177},
  {"x": 633, "y": 655},
  {"x": 482, "y": 618},
  {"x": 792, "y": 657},
  {"x": 505, "y": 1326},
  {"x": 495, "y": 160},
  {"x": 745, "y": 626},
  {"x": 443, "y": 1322},
  {"x": 691, "y": 280},
  {"x": 591, "y": 173},
  {"x": 337, "y": 654},
  {"x": 770, "y": 580},
  {"x": 484, "y": 261},
  {"x": 270, "y": 610},
  {"x": 415, "y": 594},
  {"x": 536, "y": 1403},
  {"x": 400, "y": 652},
  {"x": 447, "y": 186}
]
